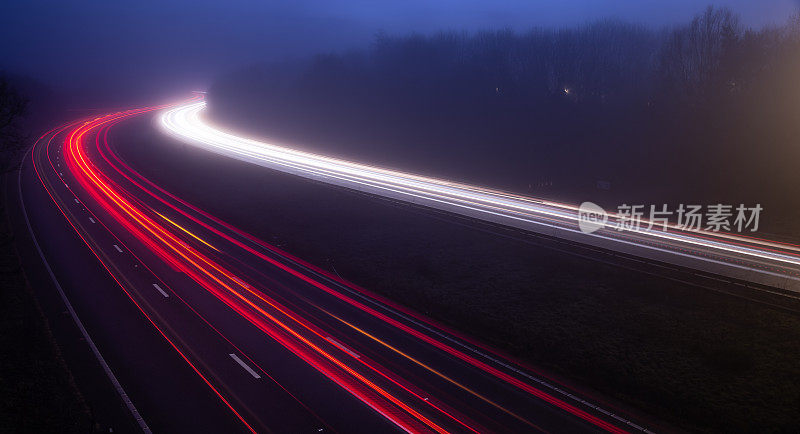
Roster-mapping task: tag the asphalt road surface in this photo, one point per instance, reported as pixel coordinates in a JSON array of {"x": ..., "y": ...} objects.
[
  {"x": 196, "y": 326},
  {"x": 740, "y": 256}
]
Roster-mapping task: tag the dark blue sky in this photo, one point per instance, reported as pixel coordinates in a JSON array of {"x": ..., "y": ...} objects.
[{"x": 185, "y": 42}]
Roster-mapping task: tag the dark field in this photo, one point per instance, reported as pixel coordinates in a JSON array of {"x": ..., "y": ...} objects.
[
  {"x": 705, "y": 112},
  {"x": 37, "y": 389},
  {"x": 693, "y": 358}
]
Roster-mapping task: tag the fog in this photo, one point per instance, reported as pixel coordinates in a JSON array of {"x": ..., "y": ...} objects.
[
  {"x": 121, "y": 49},
  {"x": 520, "y": 113}
]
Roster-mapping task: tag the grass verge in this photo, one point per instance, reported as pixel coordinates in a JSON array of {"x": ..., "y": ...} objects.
[
  {"x": 696, "y": 359},
  {"x": 37, "y": 392}
]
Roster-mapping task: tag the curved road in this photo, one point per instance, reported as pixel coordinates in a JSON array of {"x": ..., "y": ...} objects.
[
  {"x": 733, "y": 255},
  {"x": 208, "y": 329}
]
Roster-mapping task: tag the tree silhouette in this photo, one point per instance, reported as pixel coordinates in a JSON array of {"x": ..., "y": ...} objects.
[{"x": 12, "y": 108}]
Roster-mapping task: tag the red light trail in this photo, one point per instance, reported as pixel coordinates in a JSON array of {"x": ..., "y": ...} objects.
[{"x": 216, "y": 256}]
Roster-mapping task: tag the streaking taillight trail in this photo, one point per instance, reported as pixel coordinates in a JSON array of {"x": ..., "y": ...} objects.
[
  {"x": 290, "y": 330},
  {"x": 214, "y": 255}
]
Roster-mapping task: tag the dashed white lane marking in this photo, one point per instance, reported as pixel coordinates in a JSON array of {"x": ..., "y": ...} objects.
[
  {"x": 342, "y": 347},
  {"x": 244, "y": 285},
  {"x": 244, "y": 365},
  {"x": 117, "y": 247},
  {"x": 77, "y": 201},
  {"x": 715, "y": 278},
  {"x": 92, "y": 220},
  {"x": 120, "y": 391},
  {"x": 158, "y": 288}
]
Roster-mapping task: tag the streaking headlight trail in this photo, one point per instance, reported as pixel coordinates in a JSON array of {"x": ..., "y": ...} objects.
[
  {"x": 268, "y": 334},
  {"x": 757, "y": 260}
]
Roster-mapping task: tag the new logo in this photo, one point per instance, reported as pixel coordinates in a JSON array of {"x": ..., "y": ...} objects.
[{"x": 591, "y": 217}]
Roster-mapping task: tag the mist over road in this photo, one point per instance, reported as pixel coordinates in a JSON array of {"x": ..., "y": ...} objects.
[
  {"x": 739, "y": 257},
  {"x": 207, "y": 326}
]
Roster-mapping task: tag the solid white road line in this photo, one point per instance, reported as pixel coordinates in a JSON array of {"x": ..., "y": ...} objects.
[
  {"x": 155, "y": 285},
  {"x": 100, "y": 359},
  {"x": 244, "y": 365},
  {"x": 117, "y": 247}
]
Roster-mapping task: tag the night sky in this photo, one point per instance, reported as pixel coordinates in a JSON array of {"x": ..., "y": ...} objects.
[{"x": 149, "y": 44}]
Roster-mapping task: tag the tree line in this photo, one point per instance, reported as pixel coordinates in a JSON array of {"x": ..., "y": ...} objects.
[{"x": 709, "y": 108}]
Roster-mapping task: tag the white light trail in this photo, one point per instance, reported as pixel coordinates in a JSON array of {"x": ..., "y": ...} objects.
[{"x": 186, "y": 123}]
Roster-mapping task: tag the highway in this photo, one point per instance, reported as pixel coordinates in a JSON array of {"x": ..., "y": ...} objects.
[
  {"x": 202, "y": 327},
  {"x": 732, "y": 255}
]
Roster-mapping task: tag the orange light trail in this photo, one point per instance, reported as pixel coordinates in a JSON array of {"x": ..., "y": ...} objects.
[
  {"x": 364, "y": 378},
  {"x": 208, "y": 273}
]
